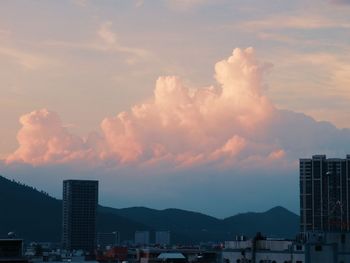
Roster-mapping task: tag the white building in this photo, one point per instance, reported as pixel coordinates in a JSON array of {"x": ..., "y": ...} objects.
[
  {"x": 263, "y": 251},
  {"x": 327, "y": 247},
  {"x": 163, "y": 238}
]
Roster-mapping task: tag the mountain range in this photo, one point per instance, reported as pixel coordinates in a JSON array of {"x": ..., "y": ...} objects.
[{"x": 36, "y": 216}]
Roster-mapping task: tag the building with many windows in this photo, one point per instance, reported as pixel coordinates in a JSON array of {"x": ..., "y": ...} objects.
[
  {"x": 328, "y": 247},
  {"x": 142, "y": 238},
  {"x": 324, "y": 194},
  {"x": 162, "y": 238},
  {"x": 80, "y": 199}
]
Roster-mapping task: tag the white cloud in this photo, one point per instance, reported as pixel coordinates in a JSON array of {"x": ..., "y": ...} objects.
[{"x": 232, "y": 126}]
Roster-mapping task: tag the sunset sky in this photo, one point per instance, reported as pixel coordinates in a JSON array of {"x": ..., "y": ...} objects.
[{"x": 193, "y": 104}]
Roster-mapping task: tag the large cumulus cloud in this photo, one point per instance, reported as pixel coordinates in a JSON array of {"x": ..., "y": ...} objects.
[
  {"x": 230, "y": 124},
  {"x": 43, "y": 139}
]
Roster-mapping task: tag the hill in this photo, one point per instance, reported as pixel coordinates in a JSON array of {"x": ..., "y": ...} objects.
[
  {"x": 28, "y": 212},
  {"x": 276, "y": 222},
  {"x": 196, "y": 227},
  {"x": 34, "y": 215}
]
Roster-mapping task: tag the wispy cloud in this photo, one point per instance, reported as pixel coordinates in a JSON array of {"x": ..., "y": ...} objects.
[
  {"x": 111, "y": 40},
  {"x": 186, "y": 4},
  {"x": 139, "y": 3},
  {"x": 300, "y": 73},
  {"x": 340, "y": 2},
  {"x": 25, "y": 59},
  {"x": 284, "y": 38},
  {"x": 293, "y": 22},
  {"x": 81, "y": 3},
  {"x": 337, "y": 67},
  {"x": 106, "y": 41},
  {"x": 179, "y": 5},
  {"x": 4, "y": 32}
]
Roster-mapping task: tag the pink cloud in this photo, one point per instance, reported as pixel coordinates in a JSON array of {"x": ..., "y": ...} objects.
[
  {"x": 278, "y": 154},
  {"x": 180, "y": 125},
  {"x": 43, "y": 139}
]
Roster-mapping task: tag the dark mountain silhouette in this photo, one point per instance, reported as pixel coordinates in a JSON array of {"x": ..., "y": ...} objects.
[
  {"x": 28, "y": 212},
  {"x": 34, "y": 215},
  {"x": 276, "y": 222}
]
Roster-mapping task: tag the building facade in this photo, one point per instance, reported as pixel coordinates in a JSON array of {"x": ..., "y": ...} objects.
[
  {"x": 109, "y": 239},
  {"x": 263, "y": 251},
  {"x": 163, "y": 238},
  {"x": 80, "y": 199},
  {"x": 142, "y": 238},
  {"x": 11, "y": 250},
  {"x": 324, "y": 194},
  {"x": 326, "y": 247}
]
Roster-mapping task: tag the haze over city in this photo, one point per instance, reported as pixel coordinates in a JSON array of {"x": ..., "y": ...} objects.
[{"x": 193, "y": 104}]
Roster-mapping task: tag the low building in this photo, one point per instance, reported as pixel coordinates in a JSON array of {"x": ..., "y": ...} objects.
[
  {"x": 11, "y": 251},
  {"x": 313, "y": 247},
  {"x": 263, "y": 250},
  {"x": 115, "y": 254},
  {"x": 178, "y": 255},
  {"x": 110, "y": 239},
  {"x": 172, "y": 257},
  {"x": 332, "y": 247}
]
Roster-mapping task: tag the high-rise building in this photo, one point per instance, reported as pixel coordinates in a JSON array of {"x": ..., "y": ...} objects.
[
  {"x": 324, "y": 194},
  {"x": 142, "y": 238},
  {"x": 163, "y": 237},
  {"x": 80, "y": 199}
]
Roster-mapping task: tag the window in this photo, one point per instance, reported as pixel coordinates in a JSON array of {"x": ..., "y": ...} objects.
[
  {"x": 343, "y": 238},
  {"x": 299, "y": 247},
  {"x": 318, "y": 248}
]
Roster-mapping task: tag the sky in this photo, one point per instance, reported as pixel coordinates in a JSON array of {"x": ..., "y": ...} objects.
[{"x": 193, "y": 104}]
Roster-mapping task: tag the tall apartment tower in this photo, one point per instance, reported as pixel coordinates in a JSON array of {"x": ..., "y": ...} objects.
[
  {"x": 80, "y": 199},
  {"x": 324, "y": 194}
]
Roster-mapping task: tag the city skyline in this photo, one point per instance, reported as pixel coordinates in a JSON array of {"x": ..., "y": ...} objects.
[{"x": 185, "y": 104}]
